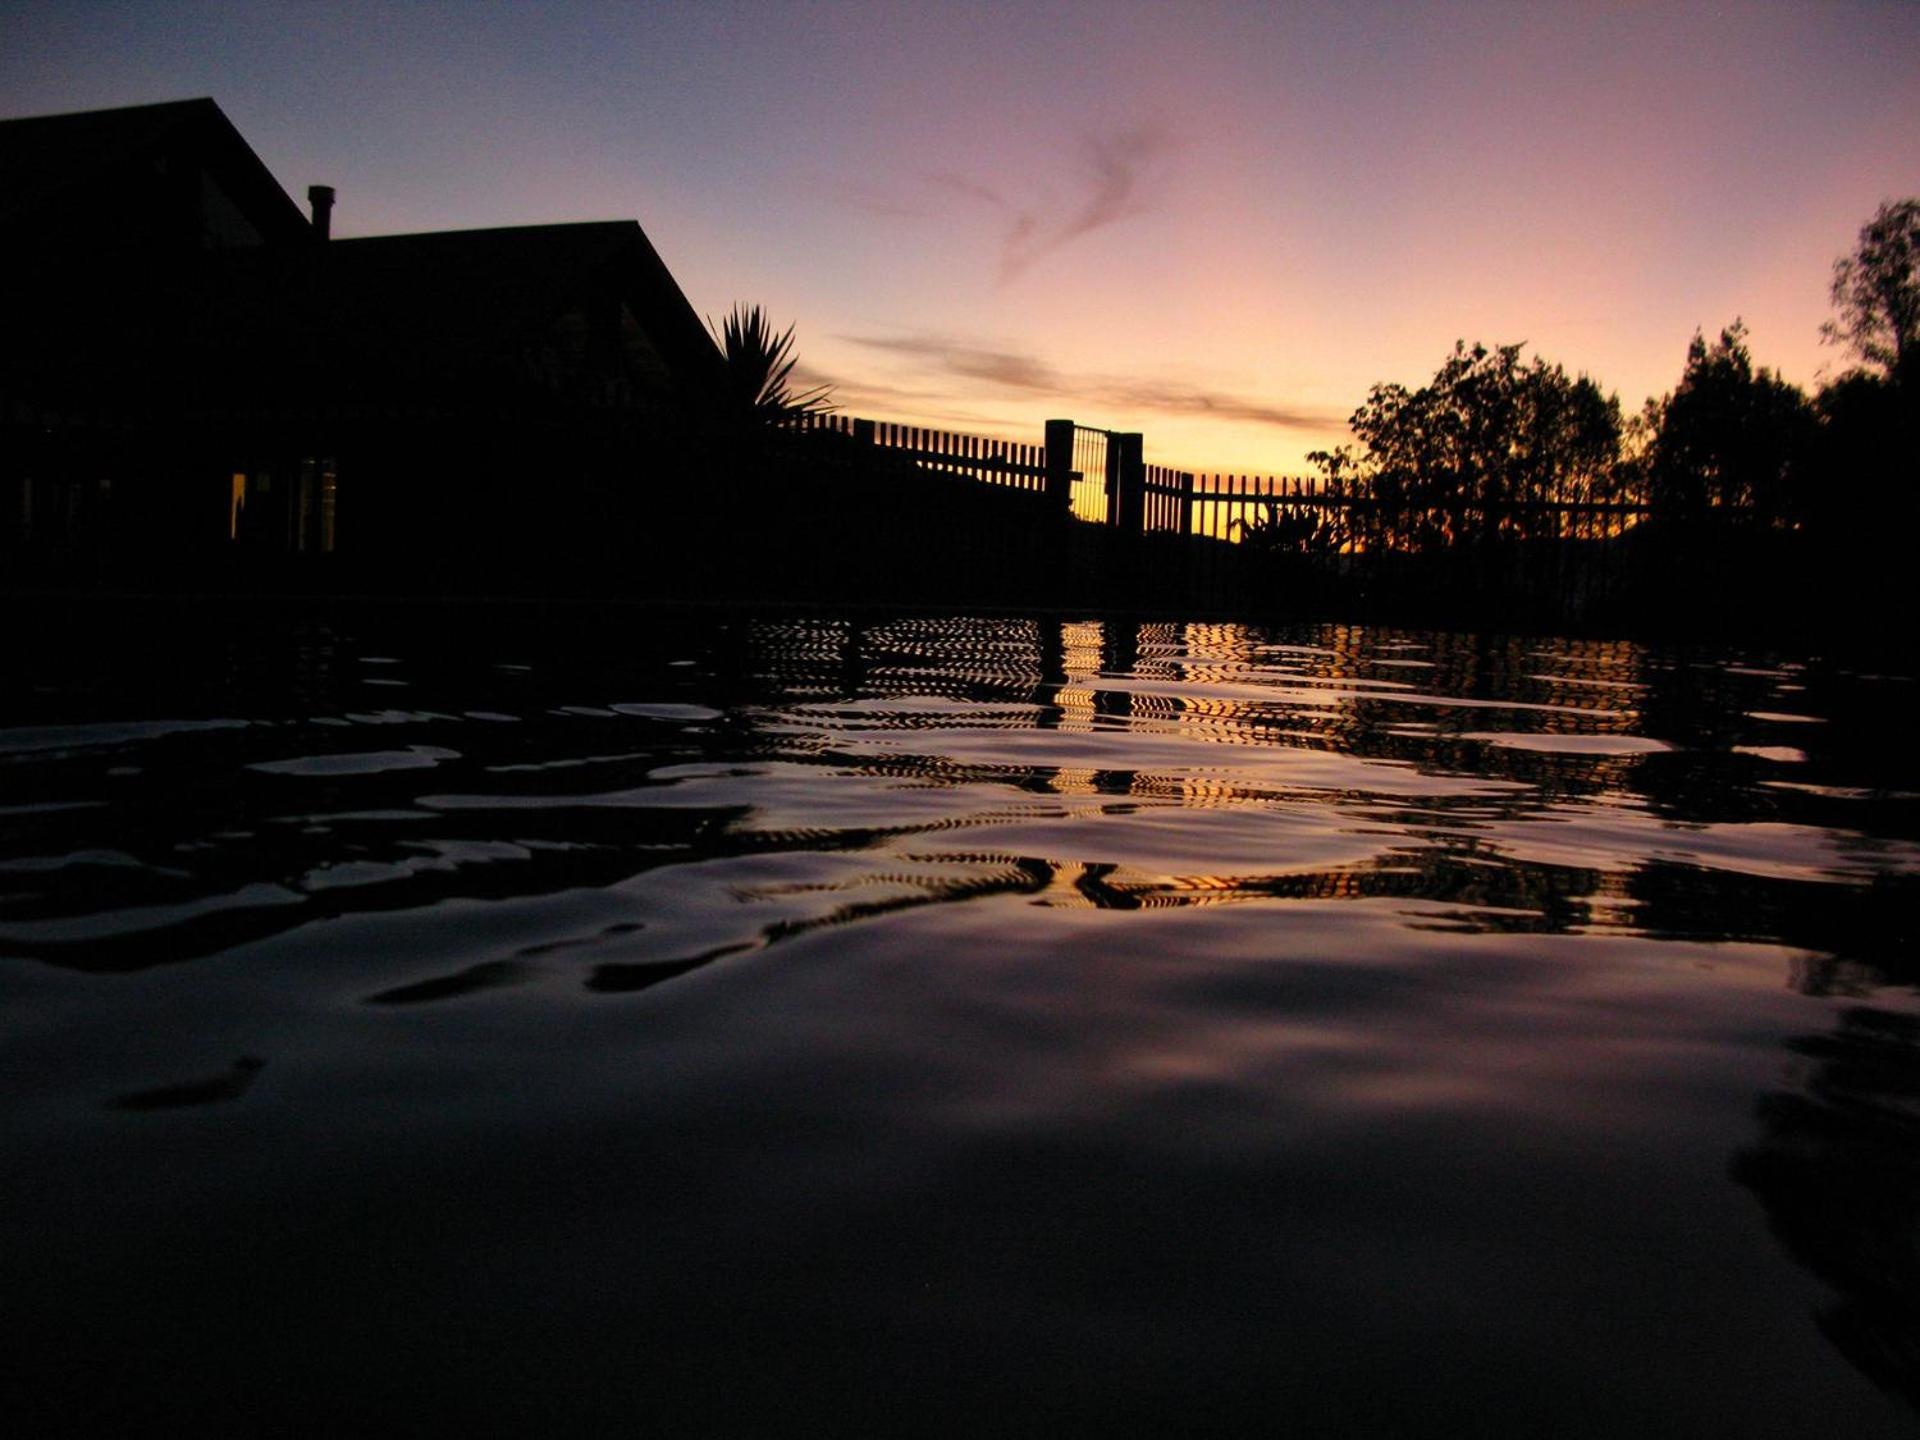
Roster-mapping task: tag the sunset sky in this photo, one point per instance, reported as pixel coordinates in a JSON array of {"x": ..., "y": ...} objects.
[{"x": 1217, "y": 224}]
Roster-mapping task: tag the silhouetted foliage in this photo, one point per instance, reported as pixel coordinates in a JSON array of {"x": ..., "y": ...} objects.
[
  {"x": 1877, "y": 291},
  {"x": 1487, "y": 435},
  {"x": 1279, "y": 528},
  {"x": 1730, "y": 440},
  {"x": 1865, "y": 457},
  {"x": 760, "y": 368},
  {"x": 1870, "y": 416}
]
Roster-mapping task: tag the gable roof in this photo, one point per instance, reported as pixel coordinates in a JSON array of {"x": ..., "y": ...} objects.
[
  {"x": 97, "y": 165},
  {"x": 481, "y": 287},
  {"x": 223, "y": 299},
  {"x": 433, "y": 320}
]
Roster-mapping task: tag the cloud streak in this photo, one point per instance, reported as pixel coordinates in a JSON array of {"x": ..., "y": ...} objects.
[
  {"x": 1113, "y": 180},
  {"x": 1121, "y": 166},
  {"x": 1016, "y": 373},
  {"x": 1118, "y": 170},
  {"x": 868, "y": 396}
]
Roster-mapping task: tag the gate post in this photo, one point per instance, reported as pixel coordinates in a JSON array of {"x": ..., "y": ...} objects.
[
  {"x": 1129, "y": 504},
  {"x": 1060, "y": 465}
]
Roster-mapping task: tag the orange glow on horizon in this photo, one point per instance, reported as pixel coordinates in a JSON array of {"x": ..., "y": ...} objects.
[{"x": 1216, "y": 225}]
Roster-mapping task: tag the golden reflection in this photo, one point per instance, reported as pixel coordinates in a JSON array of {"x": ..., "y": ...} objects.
[
  {"x": 1077, "y": 706},
  {"x": 1074, "y": 780},
  {"x": 1449, "y": 741},
  {"x": 1081, "y": 643},
  {"x": 1066, "y": 890}
]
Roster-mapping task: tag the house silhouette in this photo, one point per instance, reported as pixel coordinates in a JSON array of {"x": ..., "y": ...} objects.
[{"x": 198, "y": 383}]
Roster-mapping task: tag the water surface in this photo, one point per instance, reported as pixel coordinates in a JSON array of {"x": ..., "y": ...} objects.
[{"x": 523, "y": 1021}]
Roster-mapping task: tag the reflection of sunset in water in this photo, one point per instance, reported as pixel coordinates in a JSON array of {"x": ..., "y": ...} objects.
[{"x": 1399, "y": 1002}]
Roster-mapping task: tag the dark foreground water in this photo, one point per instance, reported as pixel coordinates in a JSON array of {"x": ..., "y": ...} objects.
[{"x": 495, "y": 1022}]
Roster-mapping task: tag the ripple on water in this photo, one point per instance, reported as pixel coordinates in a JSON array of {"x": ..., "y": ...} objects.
[
  {"x": 371, "y": 762},
  {"x": 26, "y": 739},
  {"x": 1628, "y": 838},
  {"x": 909, "y": 1003},
  {"x": 1557, "y": 743},
  {"x": 664, "y": 710}
]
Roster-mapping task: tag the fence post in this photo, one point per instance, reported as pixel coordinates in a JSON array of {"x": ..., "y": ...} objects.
[
  {"x": 863, "y": 432},
  {"x": 1110, "y": 492},
  {"x": 1060, "y": 465},
  {"x": 1186, "y": 502},
  {"x": 1130, "y": 477}
]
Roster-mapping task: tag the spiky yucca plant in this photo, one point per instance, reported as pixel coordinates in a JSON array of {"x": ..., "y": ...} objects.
[{"x": 759, "y": 367}]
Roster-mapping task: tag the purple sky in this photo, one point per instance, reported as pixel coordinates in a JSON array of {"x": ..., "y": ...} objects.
[{"x": 1217, "y": 224}]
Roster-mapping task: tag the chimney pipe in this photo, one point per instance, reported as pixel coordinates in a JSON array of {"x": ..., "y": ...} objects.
[{"x": 320, "y": 197}]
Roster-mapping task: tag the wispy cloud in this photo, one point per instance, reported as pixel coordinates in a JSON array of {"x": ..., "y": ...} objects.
[
  {"x": 1117, "y": 170},
  {"x": 1015, "y": 372},
  {"x": 1007, "y": 369},
  {"x": 869, "y": 397},
  {"x": 1174, "y": 398},
  {"x": 1114, "y": 176},
  {"x": 852, "y": 394}
]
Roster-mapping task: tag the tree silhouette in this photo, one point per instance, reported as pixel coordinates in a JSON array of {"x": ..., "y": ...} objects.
[
  {"x": 1459, "y": 457},
  {"x": 1730, "y": 439},
  {"x": 1876, "y": 289}
]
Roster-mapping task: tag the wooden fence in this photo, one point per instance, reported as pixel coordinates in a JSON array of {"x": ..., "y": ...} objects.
[
  {"x": 1167, "y": 500},
  {"x": 974, "y": 457},
  {"x": 1228, "y": 507},
  {"x": 1099, "y": 477},
  {"x": 1308, "y": 512},
  {"x": 1134, "y": 530}
]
